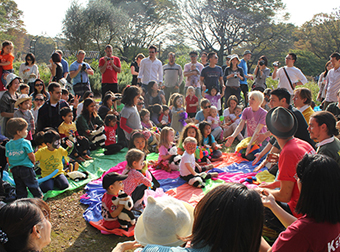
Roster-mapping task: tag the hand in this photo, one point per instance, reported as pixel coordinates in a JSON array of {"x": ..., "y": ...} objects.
[
  {"x": 218, "y": 146},
  {"x": 176, "y": 87},
  {"x": 248, "y": 149},
  {"x": 263, "y": 163},
  {"x": 76, "y": 101},
  {"x": 260, "y": 138},
  {"x": 88, "y": 131},
  {"x": 230, "y": 140},
  {"x": 80, "y": 66},
  {"x": 204, "y": 88},
  {"x": 128, "y": 245},
  {"x": 337, "y": 124},
  {"x": 95, "y": 126},
  {"x": 69, "y": 143},
  {"x": 273, "y": 157},
  {"x": 271, "y": 185},
  {"x": 251, "y": 77},
  {"x": 80, "y": 137},
  {"x": 257, "y": 158},
  {"x": 223, "y": 88},
  {"x": 268, "y": 199}
]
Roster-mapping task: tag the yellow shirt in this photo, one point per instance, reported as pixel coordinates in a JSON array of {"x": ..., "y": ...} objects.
[
  {"x": 307, "y": 113},
  {"x": 67, "y": 129},
  {"x": 51, "y": 160}
]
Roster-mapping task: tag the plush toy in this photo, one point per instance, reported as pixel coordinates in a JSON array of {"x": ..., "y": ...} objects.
[
  {"x": 182, "y": 117},
  {"x": 175, "y": 159},
  {"x": 99, "y": 137},
  {"x": 202, "y": 154},
  {"x": 198, "y": 181},
  {"x": 77, "y": 175},
  {"x": 126, "y": 217},
  {"x": 242, "y": 146}
]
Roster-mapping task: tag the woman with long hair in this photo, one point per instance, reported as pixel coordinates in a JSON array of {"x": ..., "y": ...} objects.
[
  {"x": 322, "y": 82},
  {"x": 39, "y": 88},
  {"x": 29, "y": 69}
]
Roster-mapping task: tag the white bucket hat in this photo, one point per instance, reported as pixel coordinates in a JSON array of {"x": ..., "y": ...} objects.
[
  {"x": 11, "y": 77},
  {"x": 163, "y": 220}
]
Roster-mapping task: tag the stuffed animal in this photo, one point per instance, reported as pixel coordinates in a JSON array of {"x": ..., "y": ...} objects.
[
  {"x": 175, "y": 159},
  {"x": 242, "y": 146},
  {"x": 98, "y": 137},
  {"x": 126, "y": 217},
  {"x": 202, "y": 154},
  {"x": 77, "y": 175},
  {"x": 198, "y": 181}
]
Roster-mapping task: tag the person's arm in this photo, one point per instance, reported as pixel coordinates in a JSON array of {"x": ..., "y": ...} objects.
[
  {"x": 180, "y": 73},
  {"x": 133, "y": 70},
  {"x": 6, "y": 63},
  {"x": 53, "y": 69},
  {"x": 31, "y": 157},
  {"x": 123, "y": 125},
  {"x": 89, "y": 70},
  {"x": 257, "y": 130},
  {"x": 230, "y": 139},
  {"x": 128, "y": 245},
  {"x": 274, "y": 76},
  {"x": 268, "y": 201},
  {"x": 75, "y": 72},
  {"x": 285, "y": 192},
  {"x": 117, "y": 67},
  {"x": 7, "y": 114},
  {"x": 191, "y": 170},
  {"x": 221, "y": 81},
  {"x": 202, "y": 82},
  {"x": 102, "y": 68},
  {"x": 223, "y": 89},
  {"x": 117, "y": 211}
]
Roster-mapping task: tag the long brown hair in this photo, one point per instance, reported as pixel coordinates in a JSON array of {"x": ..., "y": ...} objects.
[
  {"x": 164, "y": 136},
  {"x": 184, "y": 133}
]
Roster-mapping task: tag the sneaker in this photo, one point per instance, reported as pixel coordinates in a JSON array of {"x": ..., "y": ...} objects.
[
  {"x": 87, "y": 157},
  {"x": 80, "y": 159}
]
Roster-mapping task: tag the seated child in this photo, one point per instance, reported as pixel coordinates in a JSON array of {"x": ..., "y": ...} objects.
[
  {"x": 191, "y": 171},
  {"x": 148, "y": 124},
  {"x": 214, "y": 120},
  {"x": 20, "y": 156},
  {"x": 111, "y": 127},
  {"x": 232, "y": 121},
  {"x": 50, "y": 159},
  {"x": 68, "y": 130},
  {"x": 165, "y": 117},
  {"x": 136, "y": 183},
  {"x": 23, "y": 105},
  {"x": 208, "y": 141},
  {"x": 166, "y": 143},
  {"x": 112, "y": 183},
  {"x": 156, "y": 110}
]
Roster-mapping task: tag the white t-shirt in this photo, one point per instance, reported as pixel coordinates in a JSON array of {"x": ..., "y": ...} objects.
[
  {"x": 294, "y": 74},
  {"x": 186, "y": 158}
]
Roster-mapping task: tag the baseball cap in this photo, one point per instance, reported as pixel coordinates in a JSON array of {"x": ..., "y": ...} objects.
[{"x": 112, "y": 177}]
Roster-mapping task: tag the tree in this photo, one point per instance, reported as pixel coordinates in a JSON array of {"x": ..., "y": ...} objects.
[
  {"x": 321, "y": 35},
  {"x": 222, "y": 25}
]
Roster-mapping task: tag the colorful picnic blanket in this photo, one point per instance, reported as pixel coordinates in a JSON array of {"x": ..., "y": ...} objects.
[{"x": 231, "y": 169}]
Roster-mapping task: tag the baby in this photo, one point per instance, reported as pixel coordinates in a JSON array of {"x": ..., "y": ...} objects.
[
  {"x": 214, "y": 118},
  {"x": 193, "y": 79}
]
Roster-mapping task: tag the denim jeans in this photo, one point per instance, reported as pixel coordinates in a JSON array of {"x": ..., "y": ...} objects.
[
  {"x": 60, "y": 182},
  {"x": 25, "y": 177}
]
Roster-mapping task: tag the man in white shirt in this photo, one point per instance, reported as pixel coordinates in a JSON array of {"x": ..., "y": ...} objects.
[
  {"x": 295, "y": 75},
  {"x": 333, "y": 80},
  {"x": 150, "y": 69},
  {"x": 173, "y": 76}
]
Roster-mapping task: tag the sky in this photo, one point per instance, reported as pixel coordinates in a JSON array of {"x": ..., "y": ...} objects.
[{"x": 40, "y": 17}]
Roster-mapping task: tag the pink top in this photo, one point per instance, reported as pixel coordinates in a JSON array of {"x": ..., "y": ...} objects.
[
  {"x": 214, "y": 121},
  {"x": 134, "y": 179},
  {"x": 162, "y": 150},
  {"x": 253, "y": 118}
]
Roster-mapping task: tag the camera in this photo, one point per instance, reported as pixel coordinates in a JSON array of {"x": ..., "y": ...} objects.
[
  {"x": 235, "y": 75},
  {"x": 108, "y": 58},
  {"x": 83, "y": 67},
  {"x": 276, "y": 64},
  {"x": 261, "y": 63},
  {"x": 117, "y": 97}
]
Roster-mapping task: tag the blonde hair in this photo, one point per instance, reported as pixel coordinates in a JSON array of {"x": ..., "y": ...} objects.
[
  {"x": 164, "y": 136},
  {"x": 213, "y": 107},
  {"x": 189, "y": 140},
  {"x": 257, "y": 95},
  {"x": 190, "y": 88},
  {"x": 134, "y": 155}
]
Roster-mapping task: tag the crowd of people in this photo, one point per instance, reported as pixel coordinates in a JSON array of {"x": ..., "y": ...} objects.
[{"x": 299, "y": 146}]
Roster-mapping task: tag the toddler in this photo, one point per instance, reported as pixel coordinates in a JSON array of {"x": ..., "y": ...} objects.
[
  {"x": 111, "y": 127},
  {"x": 178, "y": 114},
  {"x": 214, "y": 97},
  {"x": 166, "y": 143},
  {"x": 191, "y": 102},
  {"x": 190, "y": 130},
  {"x": 68, "y": 130},
  {"x": 232, "y": 123},
  {"x": 165, "y": 117},
  {"x": 112, "y": 183},
  {"x": 189, "y": 170},
  {"x": 24, "y": 89},
  {"x": 148, "y": 124},
  {"x": 194, "y": 79},
  {"x": 214, "y": 118},
  {"x": 136, "y": 183},
  {"x": 20, "y": 156},
  {"x": 24, "y": 104},
  {"x": 6, "y": 60},
  {"x": 208, "y": 141},
  {"x": 50, "y": 158},
  {"x": 156, "y": 110}
]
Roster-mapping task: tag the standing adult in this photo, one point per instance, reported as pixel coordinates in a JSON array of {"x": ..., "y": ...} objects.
[
  {"x": 333, "y": 80},
  {"x": 322, "y": 83},
  {"x": 192, "y": 72},
  {"x": 289, "y": 76},
  {"x": 150, "y": 69},
  {"x": 261, "y": 73},
  {"x": 79, "y": 72},
  {"x": 322, "y": 129},
  {"x": 64, "y": 63},
  {"x": 212, "y": 74},
  {"x": 109, "y": 67},
  {"x": 56, "y": 67},
  {"x": 135, "y": 68},
  {"x": 8, "y": 99},
  {"x": 204, "y": 59},
  {"x": 29, "y": 68},
  {"x": 233, "y": 74},
  {"x": 173, "y": 76},
  {"x": 244, "y": 82},
  {"x": 49, "y": 113}
]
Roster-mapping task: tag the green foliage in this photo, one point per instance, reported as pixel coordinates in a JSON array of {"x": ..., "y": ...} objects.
[{"x": 309, "y": 63}]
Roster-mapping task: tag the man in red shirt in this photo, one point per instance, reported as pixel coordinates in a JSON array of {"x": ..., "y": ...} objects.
[
  {"x": 109, "y": 67},
  {"x": 283, "y": 124}
]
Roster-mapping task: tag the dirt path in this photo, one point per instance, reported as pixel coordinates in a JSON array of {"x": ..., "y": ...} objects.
[{"x": 70, "y": 232}]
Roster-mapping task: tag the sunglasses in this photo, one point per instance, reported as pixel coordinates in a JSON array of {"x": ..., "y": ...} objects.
[
  {"x": 29, "y": 59},
  {"x": 140, "y": 103},
  {"x": 207, "y": 107},
  {"x": 39, "y": 99},
  {"x": 37, "y": 85},
  {"x": 91, "y": 96}
]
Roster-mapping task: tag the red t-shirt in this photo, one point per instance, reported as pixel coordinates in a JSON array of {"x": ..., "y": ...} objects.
[
  {"x": 193, "y": 100},
  {"x": 110, "y": 75},
  {"x": 7, "y": 57},
  {"x": 307, "y": 235},
  {"x": 110, "y": 133},
  {"x": 108, "y": 207},
  {"x": 291, "y": 154}
]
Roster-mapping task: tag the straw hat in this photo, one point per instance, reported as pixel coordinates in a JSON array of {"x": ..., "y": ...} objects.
[
  {"x": 163, "y": 220},
  {"x": 22, "y": 98},
  {"x": 281, "y": 122}
]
